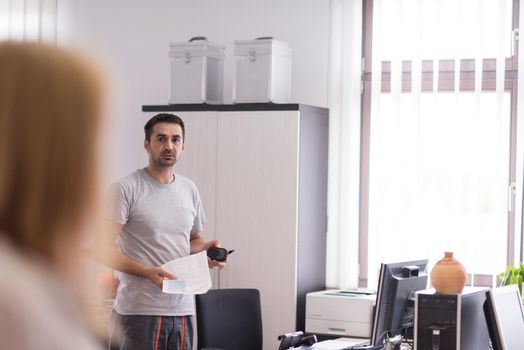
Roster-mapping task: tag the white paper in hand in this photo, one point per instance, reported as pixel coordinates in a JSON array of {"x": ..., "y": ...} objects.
[{"x": 192, "y": 274}]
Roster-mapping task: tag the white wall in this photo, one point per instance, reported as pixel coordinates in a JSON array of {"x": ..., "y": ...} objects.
[{"x": 131, "y": 37}]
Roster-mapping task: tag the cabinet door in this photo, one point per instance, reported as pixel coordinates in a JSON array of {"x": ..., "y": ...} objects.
[
  {"x": 257, "y": 172},
  {"x": 198, "y": 160}
]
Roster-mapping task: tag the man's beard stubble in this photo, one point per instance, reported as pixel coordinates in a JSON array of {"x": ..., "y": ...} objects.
[{"x": 163, "y": 163}]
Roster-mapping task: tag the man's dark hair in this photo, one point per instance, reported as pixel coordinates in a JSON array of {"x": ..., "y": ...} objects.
[{"x": 163, "y": 118}]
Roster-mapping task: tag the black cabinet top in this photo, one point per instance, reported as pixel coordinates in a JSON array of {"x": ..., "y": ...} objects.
[{"x": 229, "y": 107}]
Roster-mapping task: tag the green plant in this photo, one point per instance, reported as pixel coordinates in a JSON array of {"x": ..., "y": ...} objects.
[{"x": 512, "y": 275}]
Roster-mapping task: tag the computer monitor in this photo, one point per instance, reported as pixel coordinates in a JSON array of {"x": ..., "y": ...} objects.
[
  {"x": 504, "y": 317},
  {"x": 397, "y": 284}
]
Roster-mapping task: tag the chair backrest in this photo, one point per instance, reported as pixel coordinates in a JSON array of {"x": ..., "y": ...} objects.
[{"x": 229, "y": 319}]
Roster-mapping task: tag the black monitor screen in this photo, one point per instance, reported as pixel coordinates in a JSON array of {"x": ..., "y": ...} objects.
[
  {"x": 397, "y": 283},
  {"x": 505, "y": 319}
]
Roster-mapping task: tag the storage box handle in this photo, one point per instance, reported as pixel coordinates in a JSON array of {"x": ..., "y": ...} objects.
[{"x": 195, "y": 38}]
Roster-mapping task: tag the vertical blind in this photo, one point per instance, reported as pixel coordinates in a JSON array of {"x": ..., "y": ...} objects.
[
  {"x": 344, "y": 143},
  {"x": 29, "y": 20}
]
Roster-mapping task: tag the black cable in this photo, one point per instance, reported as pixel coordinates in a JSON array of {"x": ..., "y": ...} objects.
[
  {"x": 410, "y": 343},
  {"x": 380, "y": 347}
]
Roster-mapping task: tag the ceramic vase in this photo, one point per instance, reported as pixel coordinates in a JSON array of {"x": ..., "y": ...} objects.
[{"x": 448, "y": 276}]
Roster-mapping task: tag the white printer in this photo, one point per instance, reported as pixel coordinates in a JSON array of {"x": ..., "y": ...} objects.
[{"x": 340, "y": 312}]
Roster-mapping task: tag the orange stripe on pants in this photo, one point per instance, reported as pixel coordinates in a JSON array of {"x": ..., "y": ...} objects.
[
  {"x": 158, "y": 332},
  {"x": 183, "y": 336}
]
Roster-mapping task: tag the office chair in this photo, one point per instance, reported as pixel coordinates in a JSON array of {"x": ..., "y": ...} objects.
[{"x": 229, "y": 319}]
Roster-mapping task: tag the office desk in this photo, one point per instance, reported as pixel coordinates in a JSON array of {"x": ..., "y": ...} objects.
[
  {"x": 338, "y": 344},
  {"x": 333, "y": 344}
]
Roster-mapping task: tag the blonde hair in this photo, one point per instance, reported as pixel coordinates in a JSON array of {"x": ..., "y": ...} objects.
[{"x": 50, "y": 111}]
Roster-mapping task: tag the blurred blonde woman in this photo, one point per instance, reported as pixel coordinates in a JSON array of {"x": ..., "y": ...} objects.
[{"x": 50, "y": 112}]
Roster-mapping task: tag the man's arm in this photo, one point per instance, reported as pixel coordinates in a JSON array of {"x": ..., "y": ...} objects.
[
  {"x": 197, "y": 244},
  {"x": 120, "y": 262}
]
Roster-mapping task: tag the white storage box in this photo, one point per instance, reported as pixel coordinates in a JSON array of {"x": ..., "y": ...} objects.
[
  {"x": 197, "y": 69},
  {"x": 262, "y": 71}
]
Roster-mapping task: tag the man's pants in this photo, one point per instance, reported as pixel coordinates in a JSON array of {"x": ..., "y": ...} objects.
[{"x": 137, "y": 332}]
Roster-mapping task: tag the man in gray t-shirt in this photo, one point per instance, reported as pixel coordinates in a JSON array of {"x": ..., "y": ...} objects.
[{"x": 159, "y": 217}]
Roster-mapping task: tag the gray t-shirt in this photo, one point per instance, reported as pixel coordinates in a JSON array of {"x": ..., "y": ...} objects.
[{"x": 158, "y": 220}]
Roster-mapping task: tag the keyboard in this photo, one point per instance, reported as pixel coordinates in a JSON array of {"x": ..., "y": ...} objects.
[{"x": 364, "y": 346}]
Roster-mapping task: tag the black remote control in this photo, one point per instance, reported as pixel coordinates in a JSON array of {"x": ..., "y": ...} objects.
[{"x": 218, "y": 254}]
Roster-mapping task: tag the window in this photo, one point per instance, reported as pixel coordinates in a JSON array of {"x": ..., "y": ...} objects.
[{"x": 439, "y": 134}]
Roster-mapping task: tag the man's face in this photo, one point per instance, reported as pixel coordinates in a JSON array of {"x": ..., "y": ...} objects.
[{"x": 165, "y": 146}]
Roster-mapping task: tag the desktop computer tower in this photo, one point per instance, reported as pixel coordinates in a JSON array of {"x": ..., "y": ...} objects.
[{"x": 451, "y": 321}]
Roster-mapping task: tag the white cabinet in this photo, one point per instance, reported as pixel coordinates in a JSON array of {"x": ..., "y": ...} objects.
[{"x": 262, "y": 173}]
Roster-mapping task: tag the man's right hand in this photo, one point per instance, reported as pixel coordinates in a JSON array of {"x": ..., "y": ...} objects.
[{"x": 157, "y": 275}]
